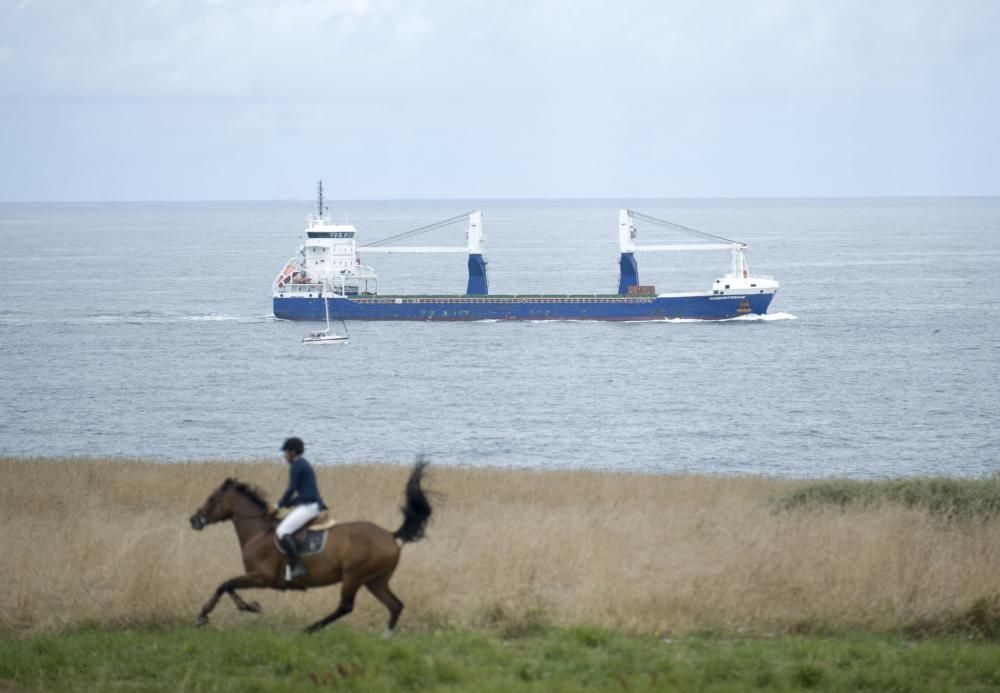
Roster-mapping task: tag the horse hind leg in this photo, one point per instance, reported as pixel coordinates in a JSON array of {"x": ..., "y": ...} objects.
[
  {"x": 379, "y": 587},
  {"x": 348, "y": 590}
]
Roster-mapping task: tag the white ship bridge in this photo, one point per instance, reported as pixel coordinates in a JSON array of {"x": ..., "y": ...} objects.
[{"x": 328, "y": 263}]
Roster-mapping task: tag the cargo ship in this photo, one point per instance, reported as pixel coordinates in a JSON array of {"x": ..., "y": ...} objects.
[{"x": 327, "y": 275}]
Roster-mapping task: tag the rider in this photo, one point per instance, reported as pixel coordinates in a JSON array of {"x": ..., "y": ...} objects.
[{"x": 302, "y": 496}]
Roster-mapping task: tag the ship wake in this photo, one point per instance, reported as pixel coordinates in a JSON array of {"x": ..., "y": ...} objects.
[{"x": 766, "y": 317}]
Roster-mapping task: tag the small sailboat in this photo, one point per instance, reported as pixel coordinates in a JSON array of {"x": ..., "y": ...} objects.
[{"x": 326, "y": 336}]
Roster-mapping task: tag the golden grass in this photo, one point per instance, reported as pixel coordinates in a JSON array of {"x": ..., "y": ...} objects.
[{"x": 108, "y": 542}]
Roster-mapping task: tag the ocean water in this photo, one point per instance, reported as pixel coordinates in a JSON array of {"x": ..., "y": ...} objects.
[{"x": 145, "y": 330}]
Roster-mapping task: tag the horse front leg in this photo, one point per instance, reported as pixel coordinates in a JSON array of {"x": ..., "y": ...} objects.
[
  {"x": 252, "y": 607},
  {"x": 228, "y": 587}
]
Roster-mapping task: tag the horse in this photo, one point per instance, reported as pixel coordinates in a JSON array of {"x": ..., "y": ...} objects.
[{"x": 356, "y": 554}]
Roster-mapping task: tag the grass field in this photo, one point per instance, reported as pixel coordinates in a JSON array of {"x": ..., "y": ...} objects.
[
  {"x": 96, "y": 542},
  {"x": 538, "y": 580},
  {"x": 259, "y": 659}
]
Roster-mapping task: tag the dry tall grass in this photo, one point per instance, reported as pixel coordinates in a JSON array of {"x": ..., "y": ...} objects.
[{"x": 107, "y": 542}]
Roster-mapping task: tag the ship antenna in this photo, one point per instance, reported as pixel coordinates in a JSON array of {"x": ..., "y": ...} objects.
[{"x": 319, "y": 195}]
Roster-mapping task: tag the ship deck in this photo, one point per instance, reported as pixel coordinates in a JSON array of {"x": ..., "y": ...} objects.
[{"x": 508, "y": 298}]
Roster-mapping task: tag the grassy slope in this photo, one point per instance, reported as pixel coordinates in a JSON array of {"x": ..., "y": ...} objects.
[
  {"x": 511, "y": 556},
  {"x": 951, "y": 499},
  {"x": 258, "y": 659}
]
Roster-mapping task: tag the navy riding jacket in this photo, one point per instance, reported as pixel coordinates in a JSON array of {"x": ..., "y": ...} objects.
[{"x": 301, "y": 485}]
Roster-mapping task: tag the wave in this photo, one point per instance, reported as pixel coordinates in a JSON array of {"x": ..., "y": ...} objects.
[{"x": 212, "y": 317}]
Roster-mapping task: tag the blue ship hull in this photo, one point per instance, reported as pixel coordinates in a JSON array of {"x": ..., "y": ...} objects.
[{"x": 459, "y": 308}]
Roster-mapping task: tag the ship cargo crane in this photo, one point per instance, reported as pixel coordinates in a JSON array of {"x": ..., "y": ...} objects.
[
  {"x": 629, "y": 269},
  {"x": 478, "y": 282}
]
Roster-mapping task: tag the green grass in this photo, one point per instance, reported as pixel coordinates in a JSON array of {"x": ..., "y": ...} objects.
[
  {"x": 343, "y": 659},
  {"x": 953, "y": 499}
]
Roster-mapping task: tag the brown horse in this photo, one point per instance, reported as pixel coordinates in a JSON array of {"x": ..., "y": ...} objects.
[{"x": 357, "y": 554}]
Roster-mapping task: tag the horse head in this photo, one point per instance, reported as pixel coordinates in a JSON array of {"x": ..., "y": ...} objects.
[{"x": 218, "y": 507}]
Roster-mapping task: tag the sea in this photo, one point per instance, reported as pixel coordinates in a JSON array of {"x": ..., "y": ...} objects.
[{"x": 144, "y": 330}]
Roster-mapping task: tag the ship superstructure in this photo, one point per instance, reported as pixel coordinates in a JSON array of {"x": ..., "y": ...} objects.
[{"x": 327, "y": 260}]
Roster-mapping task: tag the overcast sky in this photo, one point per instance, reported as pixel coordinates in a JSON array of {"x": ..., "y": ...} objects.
[{"x": 256, "y": 99}]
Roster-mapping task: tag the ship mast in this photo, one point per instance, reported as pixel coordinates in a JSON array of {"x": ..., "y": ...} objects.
[{"x": 319, "y": 199}]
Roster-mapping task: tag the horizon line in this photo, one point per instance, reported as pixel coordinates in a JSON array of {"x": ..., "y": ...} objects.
[{"x": 516, "y": 199}]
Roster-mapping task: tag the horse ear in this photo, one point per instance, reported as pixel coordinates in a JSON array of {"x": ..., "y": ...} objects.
[{"x": 228, "y": 482}]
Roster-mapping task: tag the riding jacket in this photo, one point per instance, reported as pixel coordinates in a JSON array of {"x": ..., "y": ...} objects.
[{"x": 301, "y": 485}]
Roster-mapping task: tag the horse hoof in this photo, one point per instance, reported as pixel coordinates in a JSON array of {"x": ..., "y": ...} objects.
[
  {"x": 254, "y": 607},
  {"x": 312, "y": 629},
  {"x": 202, "y": 621}
]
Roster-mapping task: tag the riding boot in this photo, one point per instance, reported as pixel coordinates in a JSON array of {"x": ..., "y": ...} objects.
[{"x": 295, "y": 567}]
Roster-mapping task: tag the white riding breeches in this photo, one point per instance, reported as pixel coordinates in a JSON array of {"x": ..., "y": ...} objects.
[{"x": 297, "y": 519}]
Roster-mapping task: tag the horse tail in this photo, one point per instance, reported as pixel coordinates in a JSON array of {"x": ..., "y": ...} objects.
[{"x": 417, "y": 508}]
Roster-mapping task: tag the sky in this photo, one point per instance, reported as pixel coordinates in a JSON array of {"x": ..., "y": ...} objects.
[{"x": 401, "y": 99}]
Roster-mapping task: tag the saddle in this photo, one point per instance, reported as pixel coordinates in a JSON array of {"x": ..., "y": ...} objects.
[
  {"x": 311, "y": 538},
  {"x": 322, "y": 521}
]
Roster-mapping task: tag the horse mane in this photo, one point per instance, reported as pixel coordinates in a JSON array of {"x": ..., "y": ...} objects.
[{"x": 252, "y": 492}]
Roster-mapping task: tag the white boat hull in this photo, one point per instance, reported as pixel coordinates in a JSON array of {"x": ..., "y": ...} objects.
[{"x": 328, "y": 339}]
